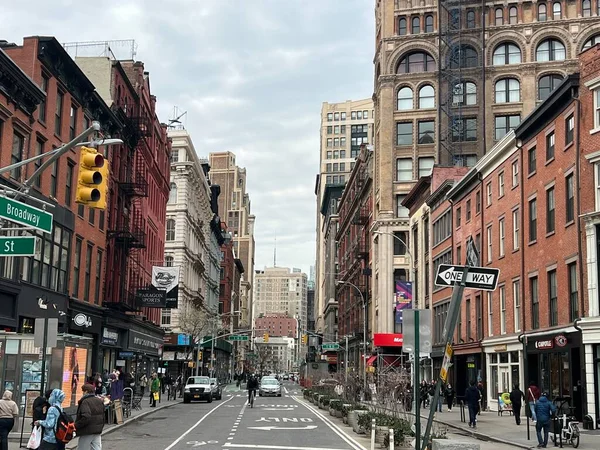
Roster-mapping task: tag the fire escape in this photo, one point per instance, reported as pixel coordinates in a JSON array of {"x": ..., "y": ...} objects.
[{"x": 129, "y": 234}]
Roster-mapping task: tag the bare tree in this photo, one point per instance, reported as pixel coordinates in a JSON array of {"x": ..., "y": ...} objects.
[
  {"x": 264, "y": 357},
  {"x": 193, "y": 321}
]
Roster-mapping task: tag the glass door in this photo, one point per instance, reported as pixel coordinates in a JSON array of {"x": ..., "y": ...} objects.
[{"x": 504, "y": 379}]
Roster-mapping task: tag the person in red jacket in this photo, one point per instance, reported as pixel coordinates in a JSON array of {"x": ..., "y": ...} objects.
[{"x": 533, "y": 395}]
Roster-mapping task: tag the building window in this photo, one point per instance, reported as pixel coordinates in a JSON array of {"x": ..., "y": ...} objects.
[
  {"x": 43, "y": 106},
  {"x": 477, "y": 202},
  {"x": 54, "y": 179},
  {"x": 468, "y": 207},
  {"x": 329, "y": 142},
  {"x": 165, "y": 317},
  {"x": 405, "y": 99},
  {"x": 542, "y": 12},
  {"x": 512, "y": 15},
  {"x": 404, "y": 169},
  {"x": 76, "y": 268},
  {"x": 501, "y": 185},
  {"x": 171, "y": 230},
  {"x": 416, "y": 62},
  {"x": 399, "y": 243},
  {"x": 506, "y": 53},
  {"x": 594, "y": 39},
  {"x": 499, "y": 16},
  {"x": 570, "y": 129},
  {"x": 550, "y": 50},
  {"x": 88, "y": 271},
  {"x": 98, "y": 276},
  {"x": 553, "y": 297},
  {"x": 501, "y": 236},
  {"x": 547, "y": 84},
  {"x": 404, "y": 133},
  {"x": 336, "y": 116},
  {"x": 80, "y": 210},
  {"x": 468, "y": 314},
  {"x": 401, "y": 26},
  {"x": 532, "y": 220},
  {"x": 72, "y": 122},
  {"x": 531, "y": 160},
  {"x": 488, "y": 189},
  {"x": 329, "y": 117},
  {"x": 173, "y": 194},
  {"x": 39, "y": 149},
  {"x": 470, "y": 19},
  {"x": 442, "y": 228},
  {"x": 508, "y": 90},
  {"x": 16, "y": 156},
  {"x": 550, "y": 146},
  {"x": 416, "y": 25},
  {"x": 550, "y": 210},
  {"x": 489, "y": 244},
  {"x": 515, "y": 173},
  {"x": 175, "y": 153},
  {"x": 516, "y": 226},
  {"x": 426, "y": 132},
  {"x": 517, "y": 303},
  {"x": 490, "y": 307},
  {"x": 463, "y": 57},
  {"x": 458, "y": 217},
  {"x": 69, "y": 182},
  {"x": 478, "y": 317},
  {"x": 570, "y": 198},
  {"x": 429, "y": 23},
  {"x": 58, "y": 113},
  {"x": 573, "y": 293},
  {"x": 426, "y": 97},
  {"x": 502, "y": 294},
  {"x": 556, "y": 10},
  {"x": 401, "y": 211},
  {"x": 504, "y": 124},
  {"x": 101, "y": 220},
  {"x": 586, "y": 8},
  {"x": 465, "y": 130},
  {"x": 535, "y": 303},
  {"x": 426, "y": 166},
  {"x": 465, "y": 93}
]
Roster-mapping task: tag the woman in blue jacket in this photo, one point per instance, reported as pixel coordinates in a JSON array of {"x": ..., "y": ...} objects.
[{"x": 49, "y": 424}]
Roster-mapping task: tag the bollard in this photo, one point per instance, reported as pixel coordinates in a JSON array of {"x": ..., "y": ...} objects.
[
  {"x": 391, "y": 439},
  {"x": 372, "y": 434}
]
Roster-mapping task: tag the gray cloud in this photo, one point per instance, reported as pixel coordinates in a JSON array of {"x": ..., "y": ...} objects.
[{"x": 252, "y": 75}]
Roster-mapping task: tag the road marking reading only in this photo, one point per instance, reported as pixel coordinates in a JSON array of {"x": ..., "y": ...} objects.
[
  {"x": 271, "y": 428},
  {"x": 285, "y": 419},
  {"x": 275, "y": 447}
]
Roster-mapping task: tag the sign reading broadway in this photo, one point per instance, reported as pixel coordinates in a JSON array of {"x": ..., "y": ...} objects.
[
  {"x": 478, "y": 277},
  {"x": 25, "y": 215}
]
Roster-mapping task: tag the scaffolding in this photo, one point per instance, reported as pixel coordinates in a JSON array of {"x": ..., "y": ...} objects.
[
  {"x": 117, "y": 50},
  {"x": 461, "y": 81}
]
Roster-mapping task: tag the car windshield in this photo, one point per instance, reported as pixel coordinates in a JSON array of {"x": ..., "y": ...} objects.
[
  {"x": 197, "y": 380},
  {"x": 270, "y": 381}
]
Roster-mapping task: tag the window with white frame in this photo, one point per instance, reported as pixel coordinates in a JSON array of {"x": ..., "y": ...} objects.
[
  {"x": 165, "y": 317},
  {"x": 489, "y": 244},
  {"x": 489, "y": 193},
  {"x": 490, "y": 307},
  {"x": 502, "y": 294},
  {"x": 426, "y": 165},
  {"x": 501, "y": 232},
  {"x": 597, "y": 108},
  {"x": 515, "y": 173},
  {"x": 597, "y": 183},
  {"x": 501, "y": 184},
  {"x": 516, "y": 226},
  {"x": 517, "y": 303}
]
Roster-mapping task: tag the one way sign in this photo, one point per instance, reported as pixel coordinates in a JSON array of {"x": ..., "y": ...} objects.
[{"x": 478, "y": 277}]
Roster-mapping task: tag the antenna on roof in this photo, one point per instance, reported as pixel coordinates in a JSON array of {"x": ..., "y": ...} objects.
[{"x": 175, "y": 122}]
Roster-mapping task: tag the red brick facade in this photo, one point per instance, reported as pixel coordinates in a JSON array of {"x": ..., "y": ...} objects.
[{"x": 278, "y": 325}]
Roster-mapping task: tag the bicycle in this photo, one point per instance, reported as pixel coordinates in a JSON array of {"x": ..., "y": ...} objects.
[{"x": 569, "y": 428}]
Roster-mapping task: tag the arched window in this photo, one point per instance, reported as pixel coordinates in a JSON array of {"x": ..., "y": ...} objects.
[
  {"x": 463, "y": 56},
  {"x": 405, "y": 99},
  {"x": 416, "y": 25},
  {"x": 547, "y": 84},
  {"x": 168, "y": 261},
  {"x": 173, "y": 193},
  {"x": 426, "y": 97},
  {"x": 550, "y": 50},
  {"x": 542, "y": 12},
  {"x": 402, "y": 26},
  {"x": 506, "y": 53},
  {"x": 586, "y": 8},
  {"x": 591, "y": 42},
  {"x": 470, "y": 19},
  {"x": 429, "y": 24},
  {"x": 556, "y": 10},
  {"x": 416, "y": 62},
  {"x": 508, "y": 90},
  {"x": 465, "y": 94},
  {"x": 499, "y": 16},
  {"x": 513, "y": 17},
  {"x": 170, "y": 230}
]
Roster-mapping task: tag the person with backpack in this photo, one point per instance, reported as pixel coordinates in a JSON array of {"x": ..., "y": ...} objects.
[
  {"x": 58, "y": 426},
  {"x": 40, "y": 406},
  {"x": 89, "y": 421}
]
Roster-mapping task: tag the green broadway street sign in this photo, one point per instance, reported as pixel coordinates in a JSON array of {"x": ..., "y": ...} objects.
[
  {"x": 251, "y": 355},
  {"x": 237, "y": 338},
  {"x": 17, "y": 246},
  {"x": 331, "y": 346},
  {"x": 25, "y": 215}
]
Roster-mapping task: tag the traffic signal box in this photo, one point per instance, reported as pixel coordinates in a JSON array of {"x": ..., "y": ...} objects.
[
  {"x": 266, "y": 337},
  {"x": 92, "y": 179},
  {"x": 305, "y": 338}
]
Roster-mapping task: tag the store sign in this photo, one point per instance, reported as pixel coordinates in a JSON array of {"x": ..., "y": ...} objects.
[
  {"x": 125, "y": 355},
  {"x": 545, "y": 344},
  {"x": 183, "y": 339},
  {"x": 168, "y": 356},
  {"x": 151, "y": 298},
  {"x": 561, "y": 340},
  {"x": 387, "y": 340},
  {"x": 109, "y": 336},
  {"x": 144, "y": 342},
  {"x": 81, "y": 320},
  {"x": 167, "y": 279}
]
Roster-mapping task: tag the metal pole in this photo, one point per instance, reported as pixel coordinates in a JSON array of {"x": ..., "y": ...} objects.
[
  {"x": 45, "y": 344},
  {"x": 364, "y": 345},
  {"x": 346, "y": 361},
  {"x": 234, "y": 349},
  {"x": 212, "y": 351},
  {"x": 392, "y": 443},
  {"x": 416, "y": 383},
  {"x": 372, "y": 434}
]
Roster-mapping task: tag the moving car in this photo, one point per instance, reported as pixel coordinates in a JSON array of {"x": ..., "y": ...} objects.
[
  {"x": 286, "y": 377},
  {"x": 197, "y": 388},
  {"x": 217, "y": 391},
  {"x": 269, "y": 386}
]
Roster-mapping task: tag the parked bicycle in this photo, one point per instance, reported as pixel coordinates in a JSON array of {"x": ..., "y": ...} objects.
[{"x": 567, "y": 425}]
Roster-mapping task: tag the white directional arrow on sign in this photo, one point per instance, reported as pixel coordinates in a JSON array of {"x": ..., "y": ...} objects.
[
  {"x": 485, "y": 278},
  {"x": 270, "y": 428}
]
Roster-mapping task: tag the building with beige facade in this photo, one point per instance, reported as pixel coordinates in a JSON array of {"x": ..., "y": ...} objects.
[
  {"x": 344, "y": 128},
  {"x": 421, "y": 113}
]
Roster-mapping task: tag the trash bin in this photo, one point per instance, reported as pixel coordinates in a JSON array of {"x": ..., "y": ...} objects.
[{"x": 588, "y": 423}]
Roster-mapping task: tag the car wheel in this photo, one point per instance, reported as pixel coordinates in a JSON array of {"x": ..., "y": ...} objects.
[
  {"x": 279, "y": 395},
  {"x": 186, "y": 399},
  {"x": 220, "y": 397},
  {"x": 210, "y": 399}
]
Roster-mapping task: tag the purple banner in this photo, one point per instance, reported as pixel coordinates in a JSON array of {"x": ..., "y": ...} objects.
[{"x": 403, "y": 298}]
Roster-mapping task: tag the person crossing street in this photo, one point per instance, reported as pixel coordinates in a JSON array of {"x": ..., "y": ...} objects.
[{"x": 252, "y": 386}]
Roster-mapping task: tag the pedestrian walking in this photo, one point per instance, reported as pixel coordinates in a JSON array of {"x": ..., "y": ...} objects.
[
  {"x": 544, "y": 409},
  {"x": 49, "y": 441},
  {"x": 449, "y": 394},
  {"x": 40, "y": 406},
  {"x": 143, "y": 383},
  {"x": 472, "y": 397},
  {"x": 9, "y": 413},
  {"x": 154, "y": 389},
  {"x": 89, "y": 421},
  {"x": 516, "y": 398},
  {"x": 533, "y": 394}
]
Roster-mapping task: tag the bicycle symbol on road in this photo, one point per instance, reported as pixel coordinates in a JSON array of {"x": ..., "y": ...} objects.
[{"x": 200, "y": 443}]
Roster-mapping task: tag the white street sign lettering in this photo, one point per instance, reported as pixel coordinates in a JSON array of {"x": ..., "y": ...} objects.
[
  {"x": 271, "y": 428},
  {"x": 477, "y": 278},
  {"x": 285, "y": 419}
]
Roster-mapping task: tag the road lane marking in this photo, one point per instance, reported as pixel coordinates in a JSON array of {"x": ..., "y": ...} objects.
[
  {"x": 178, "y": 440},
  {"x": 274, "y": 427},
  {"x": 355, "y": 445},
  {"x": 286, "y": 390},
  {"x": 276, "y": 447}
]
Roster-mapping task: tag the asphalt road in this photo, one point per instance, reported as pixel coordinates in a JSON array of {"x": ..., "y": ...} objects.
[{"x": 275, "y": 423}]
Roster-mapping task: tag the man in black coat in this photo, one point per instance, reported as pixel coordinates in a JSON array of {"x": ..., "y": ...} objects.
[
  {"x": 89, "y": 421},
  {"x": 472, "y": 397},
  {"x": 516, "y": 399}
]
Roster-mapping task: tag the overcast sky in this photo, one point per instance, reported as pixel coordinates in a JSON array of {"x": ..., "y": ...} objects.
[{"x": 251, "y": 74}]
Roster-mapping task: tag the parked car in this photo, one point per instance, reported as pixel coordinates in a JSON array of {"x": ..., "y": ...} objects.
[
  {"x": 217, "y": 390},
  {"x": 197, "y": 388},
  {"x": 269, "y": 386},
  {"x": 286, "y": 377}
]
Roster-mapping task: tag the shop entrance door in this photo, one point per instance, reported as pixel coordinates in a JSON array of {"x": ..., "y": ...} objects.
[{"x": 504, "y": 379}]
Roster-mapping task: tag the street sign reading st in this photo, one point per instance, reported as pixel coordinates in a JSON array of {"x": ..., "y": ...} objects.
[
  {"x": 17, "y": 246},
  {"x": 483, "y": 278},
  {"x": 25, "y": 215},
  {"x": 330, "y": 346}
]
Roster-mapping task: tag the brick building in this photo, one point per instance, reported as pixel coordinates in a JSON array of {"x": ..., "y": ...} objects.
[{"x": 278, "y": 325}]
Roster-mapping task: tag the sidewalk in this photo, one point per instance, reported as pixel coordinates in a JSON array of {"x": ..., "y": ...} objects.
[{"x": 13, "y": 443}]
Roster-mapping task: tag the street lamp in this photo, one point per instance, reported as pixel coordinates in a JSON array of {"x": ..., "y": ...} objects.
[{"x": 364, "y": 331}]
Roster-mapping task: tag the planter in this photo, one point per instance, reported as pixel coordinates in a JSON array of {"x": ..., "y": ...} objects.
[
  {"x": 345, "y": 420},
  {"x": 331, "y": 411},
  {"x": 338, "y": 413},
  {"x": 355, "y": 427}
]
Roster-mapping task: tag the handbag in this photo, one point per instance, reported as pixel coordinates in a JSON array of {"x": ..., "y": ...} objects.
[
  {"x": 35, "y": 438},
  {"x": 155, "y": 396},
  {"x": 532, "y": 396}
]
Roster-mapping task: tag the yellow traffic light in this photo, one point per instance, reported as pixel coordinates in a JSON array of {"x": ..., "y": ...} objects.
[
  {"x": 266, "y": 337},
  {"x": 305, "y": 338},
  {"x": 92, "y": 179}
]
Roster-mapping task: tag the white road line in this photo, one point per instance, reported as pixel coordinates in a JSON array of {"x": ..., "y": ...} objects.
[
  {"x": 286, "y": 390},
  {"x": 195, "y": 425},
  {"x": 337, "y": 430},
  {"x": 276, "y": 447}
]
